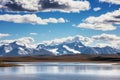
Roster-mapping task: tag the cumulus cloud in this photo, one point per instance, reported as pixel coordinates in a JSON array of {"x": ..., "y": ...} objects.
[
  {"x": 96, "y": 8},
  {"x": 105, "y": 22},
  {"x": 45, "y": 5},
  {"x": 101, "y": 45},
  {"x": 107, "y": 40},
  {"x": 4, "y": 35},
  {"x": 70, "y": 39},
  {"x": 106, "y": 37},
  {"x": 33, "y": 34},
  {"x": 30, "y": 18},
  {"x": 111, "y": 1},
  {"x": 21, "y": 40},
  {"x": 24, "y": 41}
]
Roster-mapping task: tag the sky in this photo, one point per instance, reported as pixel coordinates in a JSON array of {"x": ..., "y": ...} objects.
[{"x": 48, "y": 20}]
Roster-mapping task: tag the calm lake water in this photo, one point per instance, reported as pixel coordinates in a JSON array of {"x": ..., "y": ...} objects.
[{"x": 61, "y": 71}]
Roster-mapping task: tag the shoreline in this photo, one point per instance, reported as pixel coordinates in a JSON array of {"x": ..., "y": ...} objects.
[
  {"x": 114, "y": 59},
  {"x": 8, "y": 65}
]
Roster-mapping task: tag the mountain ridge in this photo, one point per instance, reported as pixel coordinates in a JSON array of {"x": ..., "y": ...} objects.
[
  {"x": 77, "y": 46},
  {"x": 69, "y": 46}
]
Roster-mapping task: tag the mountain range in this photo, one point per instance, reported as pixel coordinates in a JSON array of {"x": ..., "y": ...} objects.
[
  {"x": 75, "y": 46},
  {"x": 17, "y": 49}
]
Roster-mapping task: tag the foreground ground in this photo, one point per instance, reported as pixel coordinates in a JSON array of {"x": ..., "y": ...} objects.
[{"x": 64, "y": 58}]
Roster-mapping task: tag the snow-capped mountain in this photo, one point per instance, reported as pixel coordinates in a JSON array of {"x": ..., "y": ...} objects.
[
  {"x": 107, "y": 50},
  {"x": 63, "y": 48},
  {"x": 17, "y": 48},
  {"x": 24, "y": 47},
  {"x": 75, "y": 46}
]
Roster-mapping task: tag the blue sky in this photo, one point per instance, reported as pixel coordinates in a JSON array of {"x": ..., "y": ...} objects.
[{"x": 67, "y": 28}]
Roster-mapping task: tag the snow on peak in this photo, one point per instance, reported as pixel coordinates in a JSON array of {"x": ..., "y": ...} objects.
[
  {"x": 7, "y": 48},
  {"x": 71, "y": 50},
  {"x": 54, "y": 51},
  {"x": 22, "y": 51}
]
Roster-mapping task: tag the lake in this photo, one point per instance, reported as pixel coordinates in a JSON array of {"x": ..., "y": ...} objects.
[{"x": 60, "y": 71}]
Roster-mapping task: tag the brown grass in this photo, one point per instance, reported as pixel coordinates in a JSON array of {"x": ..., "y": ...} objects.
[
  {"x": 64, "y": 58},
  {"x": 7, "y": 65}
]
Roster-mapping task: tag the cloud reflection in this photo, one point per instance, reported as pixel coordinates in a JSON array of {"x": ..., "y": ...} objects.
[{"x": 41, "y": 68}]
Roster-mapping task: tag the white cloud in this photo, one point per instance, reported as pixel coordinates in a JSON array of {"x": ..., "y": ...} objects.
[
  {"x": 107, "y": 40},
  {"x": 96, "y": 8},
  {"x": 96, "y": 26},
  {"x": 54, "y": 20},
  {"x": 106, "y": 37},
  {"x": 69, "y": 39},
  {"x": 33, "y": 34},
  {"x": 4, "y": 35},
  {"x": 21, "y": 40},
  {"x": 24, "y": 41},
  {"x": 101, "y": 45},
  {"x": 111, "y": 1},
  {"x": 30, "y": 18},
  {"x": 105, "y": 22},
  {"x": 46, "y": 5}
]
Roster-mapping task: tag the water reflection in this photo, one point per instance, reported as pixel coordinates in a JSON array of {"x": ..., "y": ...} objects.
[{"x": 63, "y": 68}]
